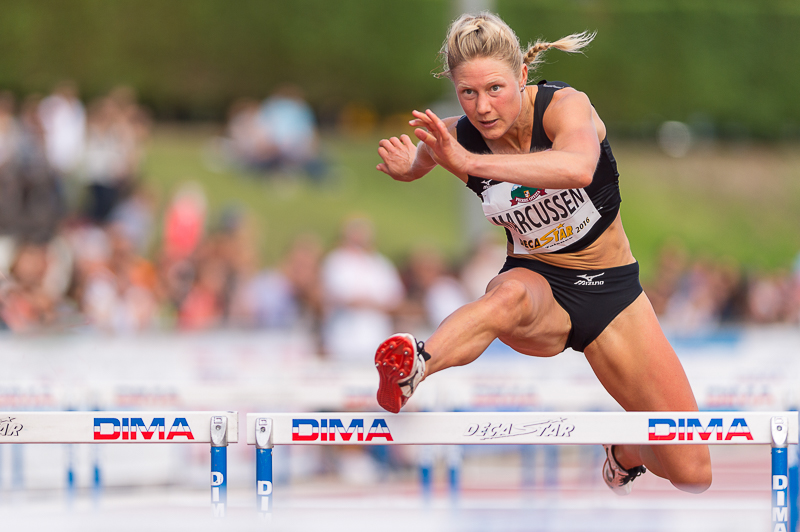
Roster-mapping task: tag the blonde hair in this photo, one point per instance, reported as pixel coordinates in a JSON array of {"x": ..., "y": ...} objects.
[{"x": 486, "y": 35}]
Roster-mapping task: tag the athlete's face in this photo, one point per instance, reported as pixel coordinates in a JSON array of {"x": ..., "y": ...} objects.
[{"x": 490, "y": 94}]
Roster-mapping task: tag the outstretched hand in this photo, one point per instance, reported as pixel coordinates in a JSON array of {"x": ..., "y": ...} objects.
[
  {"x": 446, "y": 150},
  {"x": 398, "y": 156}
]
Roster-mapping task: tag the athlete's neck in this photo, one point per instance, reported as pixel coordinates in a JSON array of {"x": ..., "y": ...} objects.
[{"x": 518, "y": 137}]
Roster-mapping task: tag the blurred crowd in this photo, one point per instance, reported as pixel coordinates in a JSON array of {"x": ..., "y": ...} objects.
[
  {"x": 700, "y": 295},
  {"x": 276, "y": 135},
  {"x": 83, "y": 246}
]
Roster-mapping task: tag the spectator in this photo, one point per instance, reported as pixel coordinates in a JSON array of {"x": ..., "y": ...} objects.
[
  {"x": 768, "y": 298},
  {"x": 37, "y": 200},
  {"x": 9, "y": 184},
  {"x": 432, "y": 292},
  {"x": 183, "y": 232},
  {"x": 105, "y": 160},
  {"x": 361, "y": 289},
  {"x": 288, "y": 296},
  {"x": 276, "y": 135},
  {"x": 116, "y": 129},
  {"x": 135, "y": 217},
  {"x": 291, "y": 127},
  {"x": 117, "y": 289},
  {"x": 9, "y": 129},
  {"x": 249, "y": 143},
  {"x": 26, "y": 306},
  {"x": 483, "y": 264},
  {"x": 204, "y": 306},
  {"x": 184, "y": 222},
  {"x": 64, "y": 120},
  {"x": 671, "y": 265}
]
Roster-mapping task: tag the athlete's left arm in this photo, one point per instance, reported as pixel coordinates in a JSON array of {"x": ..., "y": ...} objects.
[{"x": 571, "y": 163}]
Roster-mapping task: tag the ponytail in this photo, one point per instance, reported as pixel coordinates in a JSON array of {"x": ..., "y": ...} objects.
[{"x": 571, "y": 43}]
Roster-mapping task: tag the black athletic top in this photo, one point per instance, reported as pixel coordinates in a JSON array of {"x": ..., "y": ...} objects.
[{"x": 539, "y": 220}]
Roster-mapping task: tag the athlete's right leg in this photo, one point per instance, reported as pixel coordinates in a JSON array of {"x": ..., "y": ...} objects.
[{"x": 518, "y": 308}]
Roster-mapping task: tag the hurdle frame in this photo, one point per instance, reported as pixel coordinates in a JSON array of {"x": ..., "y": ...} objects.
[
  {"x": 776, "y": 429},
  {"x": 216, "y": 428}
]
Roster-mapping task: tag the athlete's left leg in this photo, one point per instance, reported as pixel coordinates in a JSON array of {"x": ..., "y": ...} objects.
[{"x": 636, "y": 364}]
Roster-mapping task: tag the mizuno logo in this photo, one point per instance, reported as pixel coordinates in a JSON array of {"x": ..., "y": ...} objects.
[{"x": 586, "y": 279}]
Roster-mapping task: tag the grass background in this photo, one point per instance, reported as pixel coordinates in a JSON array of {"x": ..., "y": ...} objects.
[{"x": 737, "y": 202}]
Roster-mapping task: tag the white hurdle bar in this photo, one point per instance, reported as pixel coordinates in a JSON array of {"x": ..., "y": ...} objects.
[
  {"x": 128, "y": 427},
  {"x": 777, "y": 429}
]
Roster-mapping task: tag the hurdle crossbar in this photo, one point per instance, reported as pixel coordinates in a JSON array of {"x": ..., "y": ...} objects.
[
  {"x": 112, "y": 427},
  {"x": 554, "y": 428},
  {"x": 123, "y": 427},
  {"x": 777, "y": 429}
]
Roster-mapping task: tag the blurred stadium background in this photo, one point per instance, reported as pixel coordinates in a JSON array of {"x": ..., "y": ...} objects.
[{"x": 190, "y": 217}]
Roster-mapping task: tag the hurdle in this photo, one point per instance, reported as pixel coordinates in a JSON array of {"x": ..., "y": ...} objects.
[
  {"x": 131, "y": 427},
  {"x": 776, "y": 429}
]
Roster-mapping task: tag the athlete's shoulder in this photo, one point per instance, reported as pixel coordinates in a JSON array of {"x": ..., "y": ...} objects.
[
  {"x": 568, "y": 100},
  {"x": 561, "y": 90}
]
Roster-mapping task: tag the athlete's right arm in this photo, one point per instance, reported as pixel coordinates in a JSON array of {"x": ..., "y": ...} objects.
[{"x": 402, "y": 160}]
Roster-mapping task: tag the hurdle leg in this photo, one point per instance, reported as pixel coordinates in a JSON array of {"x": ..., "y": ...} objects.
[
  {"x": 528, "y": 461},
  {"x": 219, "y": 465},
  {"x": 454, "y": 459},
  {"x": 780, "y": 474},
  {"x": 97, "y": 484},
  {"x": 794, "y": 492},
  {"x": 18, "y": 466},
  {"x": 264, "y": 467},
  {"x": 426, "y": 458},
  {"x": 70, "y": 451},
  {"x": 552, "y": 454},
  {"x": 794, "y": 486}
]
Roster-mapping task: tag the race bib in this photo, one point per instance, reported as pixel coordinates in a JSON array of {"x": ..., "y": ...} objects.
[{"x": 539, "y": 220}]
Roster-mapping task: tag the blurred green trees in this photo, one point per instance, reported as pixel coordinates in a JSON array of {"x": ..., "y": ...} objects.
[{"x": 727, "y": 66}]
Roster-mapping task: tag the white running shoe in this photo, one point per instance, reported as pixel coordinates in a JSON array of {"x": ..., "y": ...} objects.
[
  {"x": 617, "y": 478},
  {"x": 401, "y": 365}
]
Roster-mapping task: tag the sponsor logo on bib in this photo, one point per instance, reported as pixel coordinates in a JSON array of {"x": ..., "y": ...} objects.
[{"x": 520, "y": 194}]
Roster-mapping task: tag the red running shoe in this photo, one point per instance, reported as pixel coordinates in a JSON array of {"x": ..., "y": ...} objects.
[{"x": 401, "y": 365}]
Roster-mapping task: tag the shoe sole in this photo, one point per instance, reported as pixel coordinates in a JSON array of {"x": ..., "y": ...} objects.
[{"x": 394, "y": 360}]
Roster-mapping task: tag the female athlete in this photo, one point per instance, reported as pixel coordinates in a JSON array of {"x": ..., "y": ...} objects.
[{"x": 538, "y": 158}]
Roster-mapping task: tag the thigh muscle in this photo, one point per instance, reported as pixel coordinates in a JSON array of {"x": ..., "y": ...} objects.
[{"x": 542, "y": 326}]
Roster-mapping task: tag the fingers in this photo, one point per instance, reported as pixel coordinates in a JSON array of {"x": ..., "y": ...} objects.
[
  {"x": 436, "y": 122},
  {"x": 421, "y": 120},
  {"x": 431, "y": 122},
  {"x": 402, "y": 143},
  {"x": 428, "y": 117},
  {"x": 398, "y": 154},
  {"x": 425, "y": 137}
]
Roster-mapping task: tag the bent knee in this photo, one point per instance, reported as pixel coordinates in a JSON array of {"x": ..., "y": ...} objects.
[
  {"x": 510, "y": 298},
  {"x": 694, "y": 475}
]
